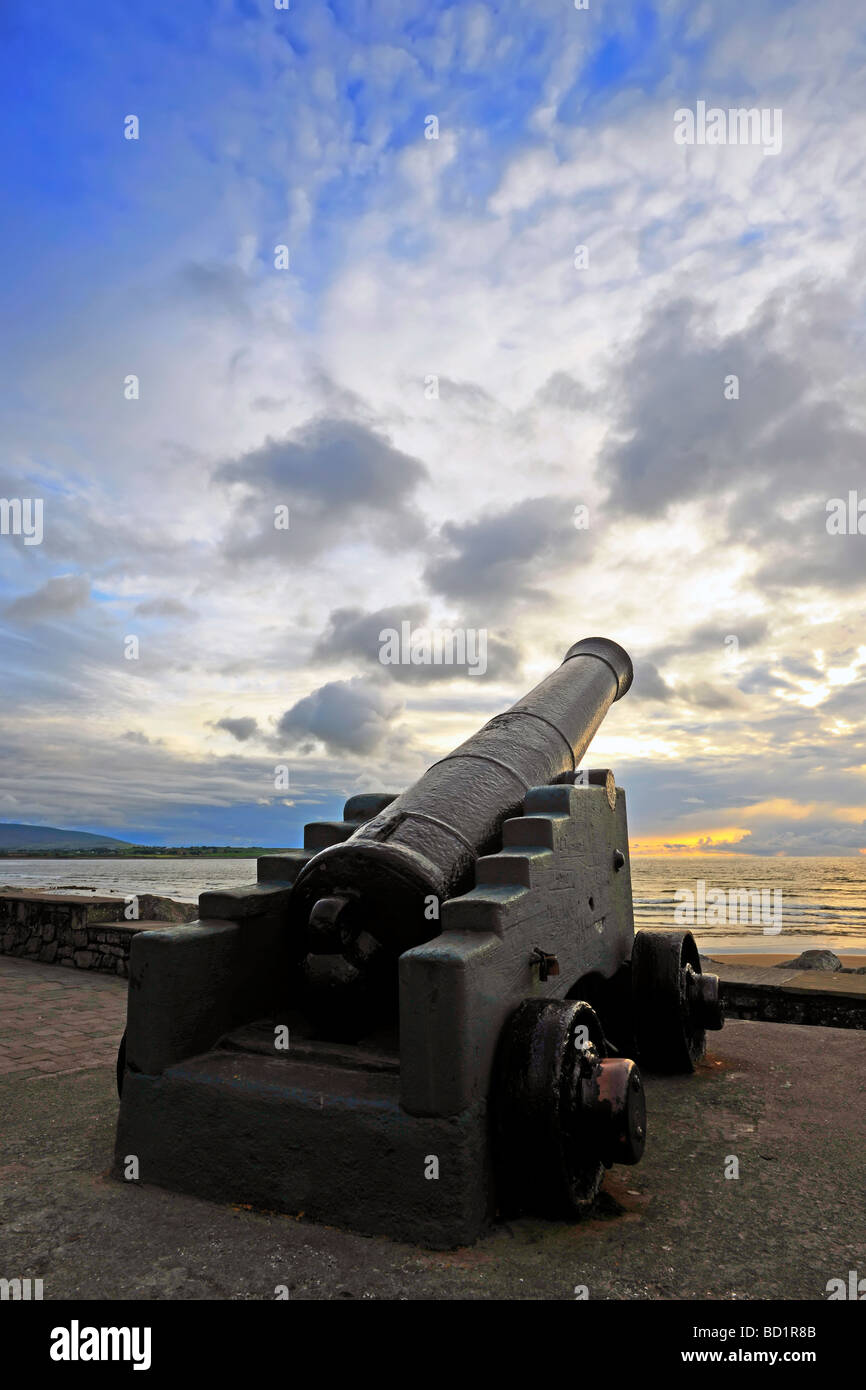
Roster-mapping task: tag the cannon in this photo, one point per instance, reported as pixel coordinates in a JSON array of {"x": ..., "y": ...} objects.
[{"x": 433, "y": 1014}]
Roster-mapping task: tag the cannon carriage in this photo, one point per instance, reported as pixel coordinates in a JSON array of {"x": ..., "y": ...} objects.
[{"x": 433, "y": 1013}]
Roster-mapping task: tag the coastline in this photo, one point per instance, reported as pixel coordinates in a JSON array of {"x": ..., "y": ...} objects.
[
  {"x": 852, "y": 958},
  {"x": 153, "y": 910}
]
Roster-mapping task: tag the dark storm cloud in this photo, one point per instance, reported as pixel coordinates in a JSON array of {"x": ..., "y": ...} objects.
[
  {"x": 804, "y": 553},
  {"x": 241, "y": 729},
  {"x": 352, "y": 716},
  {"x": 708, "y": 696},
  {"x": 763, "y": 680},
  {"x": 798, "y": 668},
  {"x": 679, "y": 437},
  {"x": 355, "y": 634},
  {"x": 711, "y": 638},
  {"x": 339, "y": 478},
  {"x": 334, "y": 463},
  {"x": 790, "y": 436},
  {"x": 848, "y": 702},
  {"x": 510, "y": 554},
  {"x": 649, "y": 684}
]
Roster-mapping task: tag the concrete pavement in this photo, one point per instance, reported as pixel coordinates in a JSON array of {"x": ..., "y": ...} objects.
[{"x": 787, "y": 1102}]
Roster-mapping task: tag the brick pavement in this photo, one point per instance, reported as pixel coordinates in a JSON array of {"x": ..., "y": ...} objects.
[{"x": 54, "y": 1020}]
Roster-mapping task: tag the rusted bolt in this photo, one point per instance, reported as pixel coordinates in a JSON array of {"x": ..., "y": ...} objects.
[{"x": 547, "y": 963}]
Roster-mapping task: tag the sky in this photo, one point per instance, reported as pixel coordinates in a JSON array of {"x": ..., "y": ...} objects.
[{"x": 433, "y": 378}]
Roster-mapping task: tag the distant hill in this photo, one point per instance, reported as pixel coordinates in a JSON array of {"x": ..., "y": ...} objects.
[{"x": 46, "y": 837}]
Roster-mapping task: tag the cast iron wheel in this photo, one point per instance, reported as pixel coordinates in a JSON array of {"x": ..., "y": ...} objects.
[
  {"x": 121, "y": 1064},
  {"x": 563, "y": 1112},
  {"x": 668, "y": 992}
]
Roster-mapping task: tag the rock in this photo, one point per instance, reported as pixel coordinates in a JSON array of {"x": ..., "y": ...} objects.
[
  {"x": 152, "y": 908},
  {"x": 84, "y": 959},
  {"x": 48, "y": 952},
  {"x": 812, "y": 960}
]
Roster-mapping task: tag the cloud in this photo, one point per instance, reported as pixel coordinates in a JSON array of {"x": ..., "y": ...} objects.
[
  {"x": 513, "y": 553},
  {"x": 242, "y": 729},
  {"x": 649, "y": 684},
  {"x": 712, "y": 636},
  {"x": 162, "y": 608},
  {"x": 214, "y": 287},
  {"x": 340, "y": 479},
  {"x": 57, "y": 598},
  {"x": 564, "y": 393},
  {"x": 468, "y": 395},
  {"x": 708, "y": 696},
  {"x": 352, "y": 716},
  {"x": 355, "y": 634},
  {"x": 678, "y": 438}
]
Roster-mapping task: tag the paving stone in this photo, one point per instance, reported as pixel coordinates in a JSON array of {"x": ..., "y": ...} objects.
[{"x": 54, "y": 1020}]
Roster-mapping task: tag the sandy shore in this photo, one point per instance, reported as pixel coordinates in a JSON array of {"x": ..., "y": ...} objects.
[{"x": 851, "y": 960}]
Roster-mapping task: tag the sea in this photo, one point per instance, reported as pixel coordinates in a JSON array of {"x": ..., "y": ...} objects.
[{"x": 730, "y": 903}]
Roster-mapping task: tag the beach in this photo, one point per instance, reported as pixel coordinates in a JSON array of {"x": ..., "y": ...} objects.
[{"x": 851, "y": 959}]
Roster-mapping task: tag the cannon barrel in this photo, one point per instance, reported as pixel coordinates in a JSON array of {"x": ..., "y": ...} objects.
[{"x": 424, "y": 844}]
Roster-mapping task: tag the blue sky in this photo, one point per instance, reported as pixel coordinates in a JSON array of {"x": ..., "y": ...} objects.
[{"x": 558, "y": 386}]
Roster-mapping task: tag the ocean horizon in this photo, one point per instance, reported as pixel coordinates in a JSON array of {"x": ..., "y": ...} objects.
[{"x": 735, "y": 902}]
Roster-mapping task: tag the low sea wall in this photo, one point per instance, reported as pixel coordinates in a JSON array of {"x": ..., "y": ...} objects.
[
  {"x": 90, "y": 933},
  {"x": 788, "y": 994}
]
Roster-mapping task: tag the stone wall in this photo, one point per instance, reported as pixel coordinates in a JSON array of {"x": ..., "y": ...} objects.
[{"x": 84, "y": 933}]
